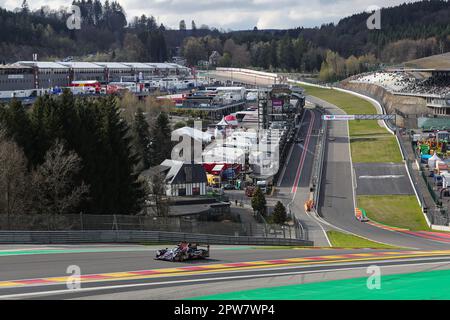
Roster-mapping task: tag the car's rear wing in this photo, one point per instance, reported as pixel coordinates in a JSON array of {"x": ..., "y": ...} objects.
[{"x": 201, "y": 245}]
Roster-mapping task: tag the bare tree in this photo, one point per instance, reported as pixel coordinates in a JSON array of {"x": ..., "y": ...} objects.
[
  {"x": 13, "y": 178},
  {"x": 57, "y": 189}
]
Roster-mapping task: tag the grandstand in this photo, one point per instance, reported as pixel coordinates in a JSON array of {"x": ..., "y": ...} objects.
[
  {"x": 25, "y": 75},
  {"x": 430, "y": 84}
]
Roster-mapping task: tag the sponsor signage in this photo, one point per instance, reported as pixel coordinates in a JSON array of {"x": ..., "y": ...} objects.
[
  {"x": 343, "y": 117},
  {"x": 346, "y": 117},
  {"x": 277, "y": 104}
]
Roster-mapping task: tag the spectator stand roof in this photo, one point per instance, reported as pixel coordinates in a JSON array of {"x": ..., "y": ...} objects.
[
  {"x": 139, "y": 65},
  {"x": 82, "y": 65},
  {"x": 434, "y": 123},
  {"x": 114, "y": 65},
  {"x": 159, "y": 65},
  {"x": 43, "y": 64}
]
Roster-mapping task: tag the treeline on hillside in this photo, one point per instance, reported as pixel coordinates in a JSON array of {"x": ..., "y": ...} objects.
[
  {"x": 69, "y": 155},
  {"x": 410, "y": 22},
  {"x": 104, "y": 33},
  {"x": 408, "y": 31},
  {"x": 287, "y": 54}
]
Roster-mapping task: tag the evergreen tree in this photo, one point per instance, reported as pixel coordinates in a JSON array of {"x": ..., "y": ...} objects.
[
  {"x": 25, "y": 7},
  {"x": 160, "y": 143},
  {"x": 259, "y": 202},
  {"x": 279, "y": 214},
  {"x": 117, "y": 189},
  {"x": 18, "y": 127},
  {"x": 141, "y": 132},
  {"x": 182, "y": 25}
]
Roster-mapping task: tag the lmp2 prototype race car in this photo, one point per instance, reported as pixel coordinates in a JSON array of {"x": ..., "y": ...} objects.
[{"x": 183, "y": 251}]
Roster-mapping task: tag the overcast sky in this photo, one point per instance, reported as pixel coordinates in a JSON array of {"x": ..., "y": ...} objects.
[{"x": 235, "y": 14}]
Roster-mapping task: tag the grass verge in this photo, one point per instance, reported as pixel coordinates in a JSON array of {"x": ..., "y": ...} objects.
[
  {"x": 344, "y": 240},
  {"x": 375, "y": 149},
  {"x": 394, "y": 210},
  {"x": 369, "y": 141}
]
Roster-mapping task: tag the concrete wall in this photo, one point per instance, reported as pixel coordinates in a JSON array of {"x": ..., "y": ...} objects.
[{"x": 407, "y": 105}]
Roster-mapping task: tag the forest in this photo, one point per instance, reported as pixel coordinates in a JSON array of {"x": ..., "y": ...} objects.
[
  {"x": 408, "y": 31},
  {"x": 67, "y": 154}
]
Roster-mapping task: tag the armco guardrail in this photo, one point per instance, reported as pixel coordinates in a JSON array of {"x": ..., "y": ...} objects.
[
  {"x": 122, "y": 236},
  {"x": 318, "y": 163},
  {"x": 259, "y": 74}
]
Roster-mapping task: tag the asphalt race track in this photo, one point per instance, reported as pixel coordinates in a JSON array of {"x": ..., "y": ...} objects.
[
  {"x": 129, "y": 272},
  {"x": 382, "y": 179},
  {"x": 337, "y": 203}
]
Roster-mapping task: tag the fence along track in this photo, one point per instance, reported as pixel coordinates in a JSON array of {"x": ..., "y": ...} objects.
[{"x": 133, "y": 236}]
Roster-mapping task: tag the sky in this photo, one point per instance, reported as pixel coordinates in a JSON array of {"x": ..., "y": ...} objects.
[{"x": 234, "y": 14}]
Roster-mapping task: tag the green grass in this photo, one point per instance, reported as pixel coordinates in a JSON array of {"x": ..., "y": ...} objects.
[
  {"x": 344, "y": 240},
  {"x": 375, "y": 149},
  {"x": 429, "y": 285},
  {"x": 351, "y": 105},
  {"x": 394, "y": 210},
  {"x": 347, "y": 102},
  {"x": 366, "y": 127}
]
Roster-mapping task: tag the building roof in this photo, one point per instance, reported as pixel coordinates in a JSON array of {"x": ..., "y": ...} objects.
[
  {"x": 113, "y": 65},
  {"x": 82, "y": 65},
  {"x": 178, "y": 66},
  {"x": 139, "y": 65},
  {"x": 434, "y": 123},
  {"x": 14, "y": 66},
  {"x": 220, "y": 154},
  {"x": 43, "y": 64},
  {"x": 194, "y": 134},
  {"x": 159, "y": 65},
  {"x": 149, "y": 173},
  {"x": 181, "y": 172},
  {"x": 100, "y": 65}
]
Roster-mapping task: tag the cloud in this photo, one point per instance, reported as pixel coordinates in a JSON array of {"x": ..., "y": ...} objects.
[{"x": 236, "y": 14}]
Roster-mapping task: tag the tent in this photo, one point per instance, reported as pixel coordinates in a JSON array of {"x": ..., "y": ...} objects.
[
  {"x": 223, "y": 123},
  {"x": 432, "y": 161},
  {"x": 232, "y": 120},
  {"x": 196, "y": 134}
]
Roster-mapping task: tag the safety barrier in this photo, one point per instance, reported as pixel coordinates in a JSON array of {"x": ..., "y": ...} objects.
[
  {"x": 259, "y": 74},
  {"x": 134, "y": 236},
  {"x": 318, "y": 163}
]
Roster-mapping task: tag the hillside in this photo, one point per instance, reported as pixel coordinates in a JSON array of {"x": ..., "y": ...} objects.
[
  {"x": 409, "y": 31},
  {"x": 437, "y": 61}
]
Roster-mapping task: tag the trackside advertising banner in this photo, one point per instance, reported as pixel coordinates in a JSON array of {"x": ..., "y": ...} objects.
[{"x": 344, "y": 117}]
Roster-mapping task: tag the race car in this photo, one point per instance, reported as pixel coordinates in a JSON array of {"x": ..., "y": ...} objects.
[{"x": 183, "y": 251}]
